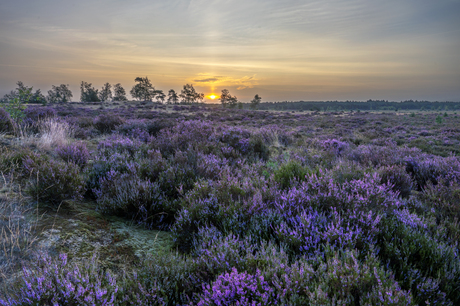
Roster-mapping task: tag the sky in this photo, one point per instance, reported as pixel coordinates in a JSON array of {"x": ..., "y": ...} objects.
[{"x": 286, "y": 50}]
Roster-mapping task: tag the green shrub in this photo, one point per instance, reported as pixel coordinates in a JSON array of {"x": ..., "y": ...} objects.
[
  {"x": 53, "y": 181},
  {"x": 288, "y": 172},
  {"x": 417, "y": 259}
]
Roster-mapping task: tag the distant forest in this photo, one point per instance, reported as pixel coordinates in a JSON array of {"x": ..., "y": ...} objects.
[{"x": 370, "y": 105}]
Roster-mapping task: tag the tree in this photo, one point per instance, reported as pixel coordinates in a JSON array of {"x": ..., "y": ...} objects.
[
  {"x": 227, "y": 99},
  {"x": 173, "y": 98},
  {"x": 119, "y": 93},
  {"x": 59, "y": 93},
  {"x": 160, "y": 96},
  {"x": 143, "y": 90},
  {"x": 88, "y": 93},
  {"x": 106, "y": 93},
  {"x": 36, "y": 97},
  {"x": 15, "y": 104},
  {"x": 255, "y": 102},
  {"x": 189, "y": 95}
]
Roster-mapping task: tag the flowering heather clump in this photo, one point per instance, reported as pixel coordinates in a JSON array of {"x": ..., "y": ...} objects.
[
  {"x": 118, "y": 144},
  {"x": 349, "y": 281},
  {"x": 76, "y": 153},
  {"x": 61, "y": 283},
  {"x": 334, "y": 146},
  {"x": 137, "y": 129},
  {"x": 6, "y": 124},
  {"x": 430, "y": 168},
  {"x": 237, "y": 289},
  {"x": 398, "y": 178},
  {"x": 125, "y": 193},
  {"x": 107, "y": 123},
  {"x": 444, "y": 198},
  {"x": 53, "y": 181},
  {"x": 34, "y": 114},
  {"x": 415, "y": 256},
  {"x": 321, "y": 191},
  {"x": 197, "y": 134}
]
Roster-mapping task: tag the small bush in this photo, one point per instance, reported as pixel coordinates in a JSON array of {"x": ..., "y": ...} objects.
[
  {"x": 107, "y": 123},
  {"x": 76, "y": 153},
  {"x": 6, "y": 125},
  {"x": 239, "y": 289},
  {"x": 53, "y": 181},
  {"x": 37, "y": 113},
  {"x": 288, "y": 172},
  {"x": 56, "y": 282},
  {"x": 398, "y": 178}
]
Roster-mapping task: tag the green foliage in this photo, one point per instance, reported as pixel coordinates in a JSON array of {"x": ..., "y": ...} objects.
[
  {"x": 290, "y": 171},
  {"x": 16, "y": 104},
  {"x": 438, "y": 119},
  {"x": 427, "y": 267}
]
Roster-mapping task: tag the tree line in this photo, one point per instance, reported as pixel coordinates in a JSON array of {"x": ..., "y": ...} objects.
[{"x": 143, "y": 90}]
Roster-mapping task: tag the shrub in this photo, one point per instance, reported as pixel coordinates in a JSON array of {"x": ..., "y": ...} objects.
[
  {"x": 53, "y": 181},
  {"x": 135, "y": 129},
  {"x": 61, "y": 283},
  {"x": 428, "y": 169},
  {"x": 239, "y": 289},
  {"x": 6, "y": 125},
  {"x": 398, "y": 178},
  {"x": 334, "y": 146},
  {"x": 36, "y": 113},
  {"x": 195, "y": 134},
  {"x": 107, "y": 123},
  {"x": 444, "y": 198},
  {"x": 344, "y": 278},
  {"x": 416, "y": 258},
  {"x": 76, "y": 153},
  {"x": 288, "y": 172},
  {"x": 119, "y": 144}
]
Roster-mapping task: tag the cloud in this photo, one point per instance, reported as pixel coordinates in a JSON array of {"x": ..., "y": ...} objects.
[
  {"x": 208, "y": 80},
  {"x": 239, "y": 83}
]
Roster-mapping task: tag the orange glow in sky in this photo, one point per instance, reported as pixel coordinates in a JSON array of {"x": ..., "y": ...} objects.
[{"x": 212, "y": 96}]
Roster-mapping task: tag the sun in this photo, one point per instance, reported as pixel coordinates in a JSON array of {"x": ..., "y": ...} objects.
[{"x": 212, "y": 96}]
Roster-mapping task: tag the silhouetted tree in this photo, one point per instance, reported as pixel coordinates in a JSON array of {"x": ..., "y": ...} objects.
[
  {"x": 160, "y": 96},
  {"x": 189, "y": 95},
  {"x": 59, "y": 93},
  {"x": 227, "y": 99},
  {"x": 173, "y": 98},
  {"x": 143, "y": 90},
  {"x": 255, "y": 102},
  {"x": 119, "y": 93},
  {"x": 106, "y": 93},
  {"x": 88, "y": 93}
]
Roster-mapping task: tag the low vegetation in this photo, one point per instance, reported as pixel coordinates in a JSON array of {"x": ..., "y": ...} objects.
[{"x": 235, "y": 207}]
